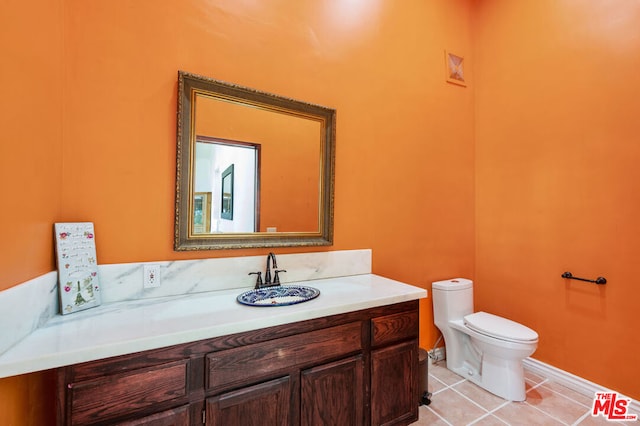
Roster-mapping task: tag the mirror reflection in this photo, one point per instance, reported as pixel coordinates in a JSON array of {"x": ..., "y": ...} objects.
[
  {"x": 254, "y": 169},
  {"x": 229, "y": 169}
]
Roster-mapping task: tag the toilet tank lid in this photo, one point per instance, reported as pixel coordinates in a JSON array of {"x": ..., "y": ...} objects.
[
  {"x": 453, "y": 284},
  {"x": 500, "y": 327}
]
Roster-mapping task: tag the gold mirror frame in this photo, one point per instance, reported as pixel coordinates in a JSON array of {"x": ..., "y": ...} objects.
[{"x": 188, "y": 86}]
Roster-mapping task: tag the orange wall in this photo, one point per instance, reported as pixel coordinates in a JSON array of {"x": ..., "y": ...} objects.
[
  {"x": 31, "y": 147},
  {"x": 30, "y": 172},
  {"x": 546, "y": 151},
  {"x": 404, "y": 168},
  {"x": 100, "y": 77},
  {"x": 415, "y": 148},
  {"x": 549, "y": 141},
  {"x": 557, "y": 154}
]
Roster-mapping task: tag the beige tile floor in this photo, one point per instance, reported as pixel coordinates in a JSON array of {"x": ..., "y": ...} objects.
[{"x": 456, "y": 401}]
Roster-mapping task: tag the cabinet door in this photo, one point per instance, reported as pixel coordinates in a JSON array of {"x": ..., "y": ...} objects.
[
  {"x": 394, "y": 384},
  {"x": 175, "y": 417},
  {"x": 332, "y": 394},
  {"x": 263, "y": 404},
  {"x": 114, "y": 396}
]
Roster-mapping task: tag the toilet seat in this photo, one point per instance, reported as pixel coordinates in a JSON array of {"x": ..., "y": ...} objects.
[{"x": 500, "y": 328}]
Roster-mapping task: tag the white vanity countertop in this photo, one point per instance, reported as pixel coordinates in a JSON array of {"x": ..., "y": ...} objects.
[{"x": 138, "y": 325}]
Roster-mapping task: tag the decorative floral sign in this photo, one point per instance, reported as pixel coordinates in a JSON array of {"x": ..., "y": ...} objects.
[{"x": 78, "y": 283}]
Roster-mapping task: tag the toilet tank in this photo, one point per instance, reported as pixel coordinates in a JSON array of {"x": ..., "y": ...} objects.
[{"x": 452, "y": 299}]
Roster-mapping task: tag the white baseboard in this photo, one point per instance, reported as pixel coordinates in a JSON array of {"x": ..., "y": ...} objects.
[{"x": 573, "y": 382}]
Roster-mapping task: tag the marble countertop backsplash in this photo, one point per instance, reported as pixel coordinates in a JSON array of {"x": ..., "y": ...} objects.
[
  {"x": 138, "y": 325},
  {"x": 29, "y": 306},
  {"x": 124, "y": 281},
  {"x": 26, "y": 307},
  {"x": 196, "y": 300}
]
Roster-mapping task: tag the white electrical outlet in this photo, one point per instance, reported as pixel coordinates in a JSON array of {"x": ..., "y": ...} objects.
[{"x": 152, "y": 276}]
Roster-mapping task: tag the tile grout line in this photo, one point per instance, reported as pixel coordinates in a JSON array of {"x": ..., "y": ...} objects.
[
  {"x": 492, "y": 411},
  {"x": 541, "y": 410},
  {"x": 487, "y": 415},
  {"x": 438, "y": 415},
  {"x": 545, "y": 382},
  {"x": 446, "y": 386},
  {"x": 537, "y": 385},
  {"x": 504, "y": 404},
  {"x": 547, "y": 414},
  {"x": 487, "y": 412},
  {"x": 576, "y": 422},
  {"x": 584, "y": 416},
  {"x": 564, "y": 396},
  {"x": 471, "y": 400}
]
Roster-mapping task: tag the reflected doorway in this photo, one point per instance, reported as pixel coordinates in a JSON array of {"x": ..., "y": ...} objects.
[{"x": 230, "y": 170}]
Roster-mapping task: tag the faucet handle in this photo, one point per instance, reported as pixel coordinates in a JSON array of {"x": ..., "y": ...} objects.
[
  {"x": 258, "y": 280},
  {"x": 276, "y": 278}
]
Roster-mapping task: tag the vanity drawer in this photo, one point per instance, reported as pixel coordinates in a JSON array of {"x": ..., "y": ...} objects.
[
  {"x": 242, "y": 365},
  {"x": 112, "y": 396},
  {"x": 394, "y": 327}
]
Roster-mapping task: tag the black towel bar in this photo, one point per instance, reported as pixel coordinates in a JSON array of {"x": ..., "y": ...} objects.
[{"x": 599, "y": 280}]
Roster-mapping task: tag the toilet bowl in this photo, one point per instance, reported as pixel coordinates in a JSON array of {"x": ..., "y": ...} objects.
[{"x": 484, "y": 348}]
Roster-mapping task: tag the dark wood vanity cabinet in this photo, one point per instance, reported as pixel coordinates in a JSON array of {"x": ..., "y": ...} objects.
[
  {"x": 357, "y": 368},
  {"x": 333, "y": 393},
  {"x": 267, "y": 403},
  {"x": 394, "y": 367}
]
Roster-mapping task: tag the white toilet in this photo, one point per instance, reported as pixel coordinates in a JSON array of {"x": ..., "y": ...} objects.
[{"x": 486, "y": 349}]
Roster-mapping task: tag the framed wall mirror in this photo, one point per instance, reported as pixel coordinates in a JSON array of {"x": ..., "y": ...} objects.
[{"x": 267, "y": 160}]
